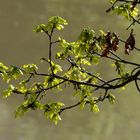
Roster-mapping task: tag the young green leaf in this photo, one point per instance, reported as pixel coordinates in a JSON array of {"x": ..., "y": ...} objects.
[
  {"x": 30, "y": 68},
  {"x": 6, "y": 93},
  {"x": 111, "y": 98},
  {"x": 21, "y": 110},
  {"x": 94, "y": 108}
]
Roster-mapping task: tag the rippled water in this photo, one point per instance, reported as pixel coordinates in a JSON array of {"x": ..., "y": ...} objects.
[{"x": 19, "y": 45}]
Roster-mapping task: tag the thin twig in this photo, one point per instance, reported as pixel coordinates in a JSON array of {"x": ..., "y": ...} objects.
[
  {"x": 123, "y": 61},
  {"x": 72, "y": 106},
  {"x": 137, "y": 86}
]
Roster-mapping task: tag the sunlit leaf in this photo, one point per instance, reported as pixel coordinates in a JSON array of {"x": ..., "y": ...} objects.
[
  {"x": 40, "y": 28},
  {"x": 3, "y": 67},
  {"x": 30, "y": 68},
  {"x": 94, "y": 108},
  {"x": 6, "y": 93}
]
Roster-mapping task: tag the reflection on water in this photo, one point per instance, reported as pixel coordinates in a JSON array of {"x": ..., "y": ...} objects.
[{"x": 19, "y": 45}]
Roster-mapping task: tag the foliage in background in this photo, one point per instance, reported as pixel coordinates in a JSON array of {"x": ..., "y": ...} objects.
[{"x": 80, "y": 56}]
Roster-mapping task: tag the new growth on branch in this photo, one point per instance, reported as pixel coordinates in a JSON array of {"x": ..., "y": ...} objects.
[{"x": 89, "y": 87}]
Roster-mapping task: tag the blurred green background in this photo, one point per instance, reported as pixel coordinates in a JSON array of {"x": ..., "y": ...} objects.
[{"x": 19, "y": 45}]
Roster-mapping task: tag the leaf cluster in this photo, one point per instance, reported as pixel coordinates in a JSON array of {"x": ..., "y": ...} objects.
[{"x": 80, "y": 57}]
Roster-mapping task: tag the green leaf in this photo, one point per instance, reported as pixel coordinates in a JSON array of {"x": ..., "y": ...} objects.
[
  {"x": 6, "y": 93},
  {"x": 40, "y": 28},
  {"x": 5, "y": 77},
  {"x": 94, "y": 59},
  {"x": 111, "y": 98},
  {"x": 87, "y": 35},
  {"x": 112, "y": 1},
  {"x": 56, "y": 118},
  {"x": 3, "y": 67},
  {"x": 52, "y": 111},
  {"x": 30, "y": 68},
  {"x": 57, "y": 22},
  {"x": 56, "y": 68},
  {"x": 53, "y": 22},
  {"x": 15, "y": 72},
  {"x": 94, "y": 108},
  {"x": 22, "y": 89},
  {"x": 60, "y": 104},
  {"x": 21, "y": 110},
  {"x": 24, "y": 82},
  {"x": 102, "y": 33},
  {"x": 85, "y": 62},
  {"x": 39, "y": 105},
  {"x": 59, "y": 27},
  {"x": 125, "y": 10},
  {"x": 82, "y": 105},
  {"x": 134, "y": 13},
  {"x": 51, "y": 81}
]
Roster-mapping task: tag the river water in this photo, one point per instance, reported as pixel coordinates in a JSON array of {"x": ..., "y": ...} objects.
[{"x": 19, "y": 45}]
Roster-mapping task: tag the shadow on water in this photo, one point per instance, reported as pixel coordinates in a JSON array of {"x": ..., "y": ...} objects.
[{"x": 19, "y": 45}]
